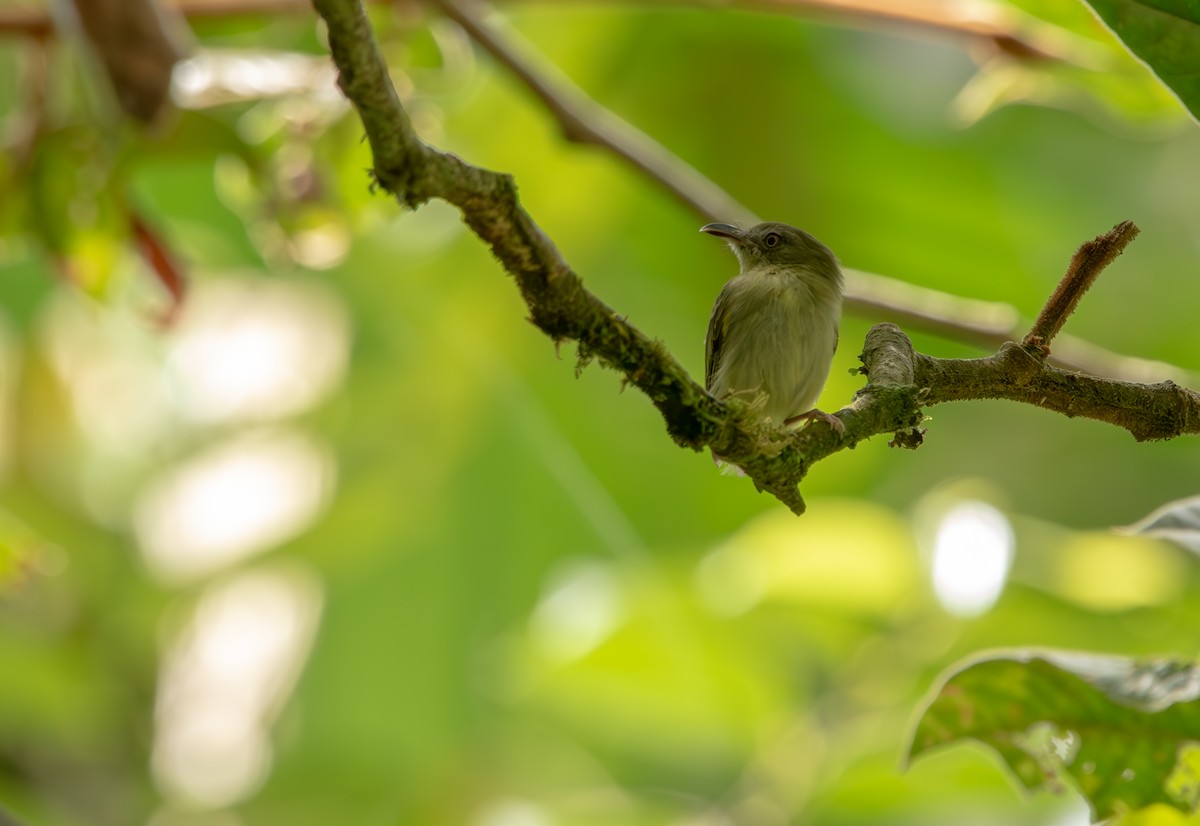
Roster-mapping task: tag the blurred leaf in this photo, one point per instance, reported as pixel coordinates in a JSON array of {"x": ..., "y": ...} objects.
[
  {"x": 1122, "y": 732},
  {"x": 91, "y": 260},
  {"x": 1118, "y": 95},
  {"x": 197, "y": 134},
  {"x": 1166, "y": 35},
  {"x": 851, "y": 559},
  {"x": 1156, "y": 815},
  {"x": 715, "y": 659},
  {"x": 1107, "y": 572},
  {"x": 162, "y": 263},
  {"x": 1177, "y": 522},
  {"x": 23, "y": 553},
  {"x": 76, "y": 206}
]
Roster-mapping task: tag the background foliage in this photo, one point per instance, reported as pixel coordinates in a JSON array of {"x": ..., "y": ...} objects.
[{"x": 347, "y": 543}]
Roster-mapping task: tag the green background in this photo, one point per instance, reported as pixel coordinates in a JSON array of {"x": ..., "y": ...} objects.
[{"x": 525, "y": 605}]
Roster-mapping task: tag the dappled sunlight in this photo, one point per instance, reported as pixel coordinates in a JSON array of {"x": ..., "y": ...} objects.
[
  {"x": 1073, "y": 813},
  {"x": 233, "y": 500},
  {"x": 375, "y": 529},
  {"x": 214, "y": 76},
  {"x": 111, "y": 372},
  {"x": 972, "y": 554},
  {"x": 843, "y": 555},
  {"x": 246, "y": 350},
  {"x": 321, "y": 247},
  {"x": 581, "y": 605},
  {"x": 1110, "y": 572},
  {"x": 190, "y": 816},
  {"x": 224, "y": 679},
  {"x": 242, "y": 351},
  {"x": 730, "y": 582},
  {"x": 512, "y": 812}
]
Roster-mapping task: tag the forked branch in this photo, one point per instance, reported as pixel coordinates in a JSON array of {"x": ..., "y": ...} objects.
[{"x": 899, "y": 381}]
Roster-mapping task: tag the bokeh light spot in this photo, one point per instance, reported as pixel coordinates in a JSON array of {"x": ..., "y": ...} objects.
[
  {"x": 972, "y": 553},
  {"x": 511, "y": 812},
  {"x": 257, "y": 351},
  {"x": 224, "y": 680},
  {"x": 580, "y": 606},
  {"x": 239, "y": 498}
]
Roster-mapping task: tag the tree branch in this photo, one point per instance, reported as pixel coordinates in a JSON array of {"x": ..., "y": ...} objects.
[
  {"x": 558, "y": 302},
  {"x": 1002, "y": 29},
  {"x": 982, "y": 323},
  {"x": 899, "y": 380},
  {"x": 584, "y": 121},
  {"x": 1018, "y": 372},
  {"x": 1022, "y": 37},
  {"x": 1086, "y": 265},
  {"x": 987, "y": 24},
  {"x": 138, "y": 43}
]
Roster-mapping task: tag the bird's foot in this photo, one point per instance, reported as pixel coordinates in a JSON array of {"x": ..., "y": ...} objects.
[{"x": 830, "y": 419}]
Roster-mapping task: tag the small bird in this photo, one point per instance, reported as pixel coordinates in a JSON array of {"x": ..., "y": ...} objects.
[{"x": 774, "y": 326}]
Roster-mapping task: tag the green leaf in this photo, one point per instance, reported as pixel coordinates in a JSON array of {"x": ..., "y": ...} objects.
[
  {"x": 76, "y": 206},
  {"x": 1124, "y": 733},
  {"x": 1177, "y": 522},
  {"x": 1166, "y": 35}
]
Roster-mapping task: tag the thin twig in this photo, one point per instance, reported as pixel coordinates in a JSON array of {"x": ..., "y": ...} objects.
[
  {"x": 1021, "y": 37},
  {"x": 985, "y": 324},
  {"x": 559, "y": 305},
  {"x": 982, "y": 323},
  {"x": 1148, "y": 411},
  {"x": 1086, "y": 265},
  {"x": 986, "y": 23},
  {"x": 584, "y": 121},
  {"x": 1000, "y": 28},
  {"x": 899, "y": 380}
]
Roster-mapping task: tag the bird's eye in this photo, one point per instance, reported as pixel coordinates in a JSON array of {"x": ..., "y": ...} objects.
[{"x": 772, "y": 239}]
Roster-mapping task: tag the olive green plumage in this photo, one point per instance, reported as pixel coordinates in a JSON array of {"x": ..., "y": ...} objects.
[{"x": 774, "y": 326}]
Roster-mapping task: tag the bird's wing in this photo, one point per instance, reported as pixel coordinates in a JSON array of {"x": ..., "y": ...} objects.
[{"x": 716, "y": 335}]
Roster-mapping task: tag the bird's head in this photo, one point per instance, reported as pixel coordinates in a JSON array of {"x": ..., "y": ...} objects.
[{"x": 780, "y": 247}]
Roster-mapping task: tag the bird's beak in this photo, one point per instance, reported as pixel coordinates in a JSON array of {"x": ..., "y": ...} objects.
[{"x": 723, "y": 231}]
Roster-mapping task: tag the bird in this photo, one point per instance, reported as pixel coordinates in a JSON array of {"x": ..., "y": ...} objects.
[{"x": 774, "y": 326}]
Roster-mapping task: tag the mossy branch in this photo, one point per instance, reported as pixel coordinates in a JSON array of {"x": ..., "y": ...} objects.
[{"x": 899, "y": 381}]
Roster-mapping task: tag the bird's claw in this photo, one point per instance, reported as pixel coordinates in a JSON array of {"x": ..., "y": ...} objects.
[{"x": 833, "y": 421}]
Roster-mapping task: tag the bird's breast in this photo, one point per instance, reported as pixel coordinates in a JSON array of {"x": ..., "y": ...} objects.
[{"x": 780, "y": 335}]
